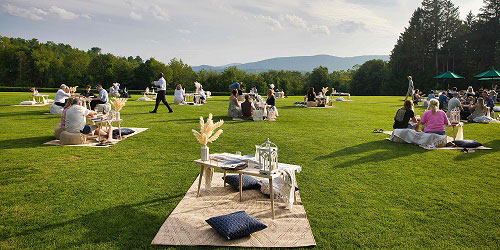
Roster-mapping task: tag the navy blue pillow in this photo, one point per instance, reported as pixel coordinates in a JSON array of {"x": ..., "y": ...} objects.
[
  {"x": 125, "y": 131},
  {"x": 467, "y": 143},
  {"x": 248, "y": 182},
  {"x": 235, "y": 225}
]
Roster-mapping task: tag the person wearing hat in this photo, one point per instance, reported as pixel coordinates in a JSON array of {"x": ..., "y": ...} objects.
[
  {"x": 162, "y": 88},
  {"x": 61, "y": 95}
]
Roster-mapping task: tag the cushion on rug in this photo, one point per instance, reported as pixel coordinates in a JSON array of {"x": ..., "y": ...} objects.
[
  {"x": 68, "y": 138},
  {"x": 235, "y": 225},
  {"x": 248, "y": 182},
  {"x": 27, "y": 103},
  {"x": 57, "y": 131},
  {"x": 467, "y": 143},
  {"x": 125, "y": 131}
]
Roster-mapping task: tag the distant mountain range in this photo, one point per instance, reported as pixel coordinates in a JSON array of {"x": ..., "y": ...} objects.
[{"x": 298, "y": 63}]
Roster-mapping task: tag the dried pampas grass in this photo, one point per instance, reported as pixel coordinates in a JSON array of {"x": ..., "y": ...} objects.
[
  {"x": 118, "y": 103},
  {"x": 207, "y": 129},
  {"x": 325, "y": 89}
]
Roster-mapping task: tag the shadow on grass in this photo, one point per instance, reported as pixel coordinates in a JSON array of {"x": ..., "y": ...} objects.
[
  {"x": 125, "y": 226},
  {"x": 24, "y": 113},
  {"x": 29, "y": 142},
  {"x": 391, "y": 150}
]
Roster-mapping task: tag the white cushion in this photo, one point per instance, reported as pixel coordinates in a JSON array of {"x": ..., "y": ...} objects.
[
  {"x": 56, "y": 110},
  {"x": 28, "y": 103},
  {"x": 105, "y": 108},
  {"x": 68, "y": 138}
]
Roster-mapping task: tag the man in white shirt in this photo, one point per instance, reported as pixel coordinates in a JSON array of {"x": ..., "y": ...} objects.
[
  {"x": 101, "y": 99},
  {"x": 410, "y": 88},
  {"x": 61, "y": 95},
  {"x": 162, "y": 88},
  {"x": 76, "y": 121}
]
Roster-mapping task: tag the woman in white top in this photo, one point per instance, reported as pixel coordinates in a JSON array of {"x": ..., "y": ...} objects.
[
  {"x": 61, "y": 96},
  {"x": 179, "y": 95}
]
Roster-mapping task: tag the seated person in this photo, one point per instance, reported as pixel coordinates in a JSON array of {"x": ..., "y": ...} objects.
[
  {"x": 469, "y": 92},
  {"x": 454, "y": 103},
  {"x": 201, "y": 92},
  {"x": 431, "y": 96},
  {"x": 466, "y": 106},
  {"x": 310, "y": 98},
  {"x": 247, "y": 107},
  {"x": 272, "y": 111},
  {"x": 234, "y": 109},
  {"x": 102, "y": 98},
  {"x": 114, "y": 90},
  {"x": 434, "y": 120},
  {"x": 403, "y": 116},
  {"x": 76, "y": 122},
  {"x": 478, "y": 110},
  {"x": 179, "y": 95},
  {"x": 416, "y": 96},
  {"x": 87, "y": 92},
  {"x": 443, "y": 99},
  {"x": 124, "y": 93},
  {"x": 61, "y": 95}
]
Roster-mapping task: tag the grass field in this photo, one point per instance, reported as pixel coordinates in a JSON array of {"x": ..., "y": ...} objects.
[{"x": 359, "y": 190}]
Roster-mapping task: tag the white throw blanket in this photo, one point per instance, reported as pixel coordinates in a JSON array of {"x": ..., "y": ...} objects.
[
  {"x": 419, "y": 138},
  {"x": 283, "y": 186}
]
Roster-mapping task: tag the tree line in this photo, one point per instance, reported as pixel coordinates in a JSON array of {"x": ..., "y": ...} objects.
[{"x": 436, "y": 40}]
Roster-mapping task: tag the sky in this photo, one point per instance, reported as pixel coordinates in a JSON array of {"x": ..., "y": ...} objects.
[{"x": 216, "y": 32}]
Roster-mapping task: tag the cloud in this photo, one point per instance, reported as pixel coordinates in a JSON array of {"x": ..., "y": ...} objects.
[
  {"x": 273, "y": 23},
  {"x": 154, "y": 41},
  {"x": 184, "y": 31},
  {"x": 33, "y": 13},
  {"x": 294, "y": 21},
  {"x": 135, "y": 16},
  {"x": 86, "y": 16},
  {"x": 158, "y": 12},
  {"x": 349, "y": 26},
  {"x": 62, "y": 13},
  {"x": 320, "y": 29}
]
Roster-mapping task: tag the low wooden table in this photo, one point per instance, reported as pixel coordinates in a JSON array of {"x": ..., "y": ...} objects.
[
  {"x": 247, "y": 171},
  {"x": 109, "y": 123},
  {"x": 191, "y": 97},
  {"x": 39, "y": 98},
  {"x": 150, "y": 95}
]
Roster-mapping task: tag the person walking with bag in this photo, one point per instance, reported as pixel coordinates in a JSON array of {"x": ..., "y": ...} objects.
[
  {"x": 409, "y": 93},
  {"x": 162, "y": 88}
]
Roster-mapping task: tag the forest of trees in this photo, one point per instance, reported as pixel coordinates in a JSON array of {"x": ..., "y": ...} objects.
[{"x": 436, "y": 40}]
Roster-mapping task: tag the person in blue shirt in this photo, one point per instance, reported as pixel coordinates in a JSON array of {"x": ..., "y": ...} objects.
[
  {"x": 431, "y": 96},
  {"x": 443, "y": 99},
  {"x": 101, "y": 99}
]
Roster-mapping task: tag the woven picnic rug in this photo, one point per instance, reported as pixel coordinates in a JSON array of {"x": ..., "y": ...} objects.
[
  {"x": 186, "y": 225},
  {"x": 92, "y": 142}
]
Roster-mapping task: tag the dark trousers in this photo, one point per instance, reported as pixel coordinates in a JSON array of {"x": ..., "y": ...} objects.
[
  {"x": 94, "y": 103},
  {"x": 60, "y": 104},
  {"x": 161, "y": 97}
]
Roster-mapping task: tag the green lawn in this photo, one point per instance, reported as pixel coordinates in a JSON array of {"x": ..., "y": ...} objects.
[{"x": 359, "y": 190}]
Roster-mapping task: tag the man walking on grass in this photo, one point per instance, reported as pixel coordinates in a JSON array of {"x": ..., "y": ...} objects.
[
  {"x": 162, "y": 88},
  {"x": 409, "y": 93}
]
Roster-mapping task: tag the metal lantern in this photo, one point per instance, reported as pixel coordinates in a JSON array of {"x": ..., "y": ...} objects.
[{"x": 268, "y": 157}]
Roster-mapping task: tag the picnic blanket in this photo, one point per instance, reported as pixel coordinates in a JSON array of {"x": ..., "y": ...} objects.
[
  {"x": 94, "y": 143},
  {"x": 448, "y": 139},
  {"x": 186, "y": 225},
  {"x": 419, "y": 138}
]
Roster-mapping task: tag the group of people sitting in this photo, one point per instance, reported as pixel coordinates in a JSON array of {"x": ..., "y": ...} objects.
[
  {"x": 63, "y": 94},
  {"x": 433, "y": 120},
  {"x": 200, "y": 96},
  {"x": 245, "y": 109},
  {"x": 472, "y": 105},
  {"x": 74, "y": 114},
  {"x": 115, "y": 91}
]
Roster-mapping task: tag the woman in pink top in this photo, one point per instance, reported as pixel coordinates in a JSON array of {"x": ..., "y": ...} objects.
[{"x": 434, "y": 120}]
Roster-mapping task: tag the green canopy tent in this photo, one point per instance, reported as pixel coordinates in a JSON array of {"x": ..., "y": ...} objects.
[
  {"x": 448, "y": 75},
  {"x": 489, "y": 75}
]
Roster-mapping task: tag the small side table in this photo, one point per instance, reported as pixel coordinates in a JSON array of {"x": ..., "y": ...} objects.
[{"x": 459, "y": 135}]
